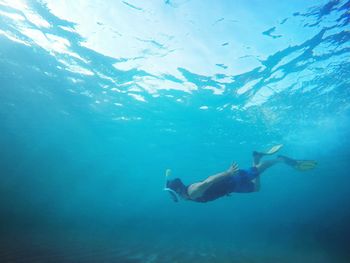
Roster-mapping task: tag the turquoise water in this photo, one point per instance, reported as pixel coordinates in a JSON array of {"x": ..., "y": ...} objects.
[{"x": 98, "y": 99}]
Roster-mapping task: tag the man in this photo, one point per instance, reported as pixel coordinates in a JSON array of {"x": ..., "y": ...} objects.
[{"x": 234, "y": 180}]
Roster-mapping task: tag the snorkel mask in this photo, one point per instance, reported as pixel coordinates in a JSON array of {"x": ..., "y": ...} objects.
[
  {"x": 172, "y": 193},
  {"x": 170, "y": 186}
]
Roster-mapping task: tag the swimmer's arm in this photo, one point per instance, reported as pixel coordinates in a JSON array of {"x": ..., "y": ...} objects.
[
  {"x": 197, "y": 189},
  {"x": 217, "y": 177}
]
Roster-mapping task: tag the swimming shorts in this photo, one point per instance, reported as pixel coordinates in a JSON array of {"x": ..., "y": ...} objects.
[{"x": 243, "y": 180}]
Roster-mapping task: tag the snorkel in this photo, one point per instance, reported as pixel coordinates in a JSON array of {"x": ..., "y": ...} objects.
[{"x": 172, "y": 193}]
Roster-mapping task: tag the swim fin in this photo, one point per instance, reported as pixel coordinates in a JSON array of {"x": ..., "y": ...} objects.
[
  {"x": 300, "y": 165},
  {"x": 305, "y": 165},
  {"x": 274, "y": 149}
]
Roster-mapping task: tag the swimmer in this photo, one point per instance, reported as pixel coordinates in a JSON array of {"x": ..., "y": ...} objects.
[{"x": 234, "y": 180}]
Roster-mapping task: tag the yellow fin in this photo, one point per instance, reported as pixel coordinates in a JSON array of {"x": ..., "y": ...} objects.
[
  {"x": 305, "y": 165},
  {"x": 274, "y": 149}
]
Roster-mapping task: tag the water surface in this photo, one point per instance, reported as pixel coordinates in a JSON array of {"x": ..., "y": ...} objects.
[{"x": 98, "y": 99}]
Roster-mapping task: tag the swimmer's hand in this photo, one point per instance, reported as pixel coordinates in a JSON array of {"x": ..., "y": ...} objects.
[{"x": 233, "y": 169}]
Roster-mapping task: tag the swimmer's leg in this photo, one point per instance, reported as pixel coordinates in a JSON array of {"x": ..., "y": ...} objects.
[
  {"x": 258, "y": 155},
  {"x": 263, "y": 166},
  {"x": 300, "y": 165}
]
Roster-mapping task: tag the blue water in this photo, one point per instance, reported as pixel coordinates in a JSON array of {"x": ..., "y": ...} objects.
[{"x": 97, "y": 100}]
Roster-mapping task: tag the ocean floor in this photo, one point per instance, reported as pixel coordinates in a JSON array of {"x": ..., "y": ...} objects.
[{"x": 101, "y": 246}]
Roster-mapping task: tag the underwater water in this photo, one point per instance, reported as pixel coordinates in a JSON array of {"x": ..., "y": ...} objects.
[{"x": 99, "y": 98}]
